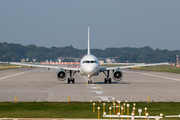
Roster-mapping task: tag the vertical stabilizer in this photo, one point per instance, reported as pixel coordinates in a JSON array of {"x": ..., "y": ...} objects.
[{"x": 88, "y": 43}]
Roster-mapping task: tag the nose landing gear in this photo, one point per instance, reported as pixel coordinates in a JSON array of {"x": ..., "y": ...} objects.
[{"x": 89, "y": 81}]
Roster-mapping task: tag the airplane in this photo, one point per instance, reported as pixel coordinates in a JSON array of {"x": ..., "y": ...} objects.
[{"x": 89, "y": 66}]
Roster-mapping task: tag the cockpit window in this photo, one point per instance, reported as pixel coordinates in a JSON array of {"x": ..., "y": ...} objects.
[{"x": 90, "y": 61}]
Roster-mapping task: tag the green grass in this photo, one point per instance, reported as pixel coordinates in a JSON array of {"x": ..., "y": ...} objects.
[
  {"x": 78, "y": 109},
  {"x": 4, "y": 66},
  {"x": 161, "y": 68}
]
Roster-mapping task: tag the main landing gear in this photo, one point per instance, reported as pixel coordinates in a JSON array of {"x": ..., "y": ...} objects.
[
  {"x": 107, "y": 79},
  {"x": 71, "y": 79}
]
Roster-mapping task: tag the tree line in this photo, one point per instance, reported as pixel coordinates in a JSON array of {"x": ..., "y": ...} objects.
[{"x": 15, "y": 52}]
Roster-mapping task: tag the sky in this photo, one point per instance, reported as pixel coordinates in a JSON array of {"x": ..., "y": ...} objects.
[{"x": 113, "y": 23}]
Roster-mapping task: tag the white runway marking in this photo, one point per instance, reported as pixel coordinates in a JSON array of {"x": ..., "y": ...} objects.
[
  {"x": 15, "y": 75},
  {"x": 98, "y": 92},
  {"x": 104, "y": 98},
  {"x": 91, "y": 84},
  {"x": 155, "y": 76},
  {"x": 94, "y": 87}
]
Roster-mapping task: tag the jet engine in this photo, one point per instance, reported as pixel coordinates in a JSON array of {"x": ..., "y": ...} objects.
[
  {"x": 61, "y": 75},
  {"x": 117, "y": 75}
]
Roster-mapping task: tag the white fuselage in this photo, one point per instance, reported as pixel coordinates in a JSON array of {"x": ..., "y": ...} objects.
[{"x": 89, "y": 65}]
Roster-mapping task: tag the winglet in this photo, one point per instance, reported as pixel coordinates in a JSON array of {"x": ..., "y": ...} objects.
[{"x": 88, "y": 43}]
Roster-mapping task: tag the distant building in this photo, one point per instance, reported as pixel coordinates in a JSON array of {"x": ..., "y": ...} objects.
[
  {"x": 27, "y": 60},
  {"x": 59, "y": 59},
  {"x": 127, "y": 61},
  {"x": 101, "y": 62},
  {"x": 23, "y": 60},
  {"x": 113, "y": 61},
  {"x": 110, "y": 61}
]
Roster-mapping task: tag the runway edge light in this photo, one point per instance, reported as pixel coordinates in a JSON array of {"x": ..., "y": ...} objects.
[
  {"x": 122, "y": 111},
  {"x": 98, "y": 111},
  {"x": 124, "y": 104},
  {"x": 15, "y": 99},
  {"x": 104, "y": 107},
  {"x": 109, "y": 112},
  {"x": 148, "y": 99},
  {"x": 93, "y": 107},
  {"x": 68, "y": 99},
  {"x": 128, "y": 105}
]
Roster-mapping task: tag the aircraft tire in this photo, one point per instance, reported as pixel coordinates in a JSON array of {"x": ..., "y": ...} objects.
[
  {"x": 73, "y": 80},
  {"x": 68, "y": 80},
  {"x": 109, "y": 80},
  {"x": 89, "y": 81},
  {"x": 105, "y": 81}
]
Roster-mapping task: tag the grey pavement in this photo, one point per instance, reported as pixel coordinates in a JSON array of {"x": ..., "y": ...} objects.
[{"x": 39, "y": 84}]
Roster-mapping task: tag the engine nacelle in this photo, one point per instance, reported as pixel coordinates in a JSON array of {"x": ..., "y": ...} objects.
[
  {"x": 61, "y": 75},
  {"x": 117, "y": 75}
]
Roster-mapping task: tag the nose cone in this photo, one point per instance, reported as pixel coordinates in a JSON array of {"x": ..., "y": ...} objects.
[{"x": 90, "y": 69}]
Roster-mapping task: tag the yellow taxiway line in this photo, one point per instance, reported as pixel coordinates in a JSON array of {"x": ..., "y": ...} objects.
[
  {"x": 98, "y": 87},
  {"x": 86, "y": 84}
]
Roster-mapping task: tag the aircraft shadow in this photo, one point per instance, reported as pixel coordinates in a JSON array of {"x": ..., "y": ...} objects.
[
  {"x": 74, "y": 83},
  {"x": 111, "y": 83},
  {"x": 99, "y": 83}
]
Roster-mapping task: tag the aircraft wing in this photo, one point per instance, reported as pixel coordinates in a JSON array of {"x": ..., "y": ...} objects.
[
  {"x": 107, "y": 58},
  {"x": 47, "y": 66},
  {"x": 69, "y": 58},
  {"x": 130, "y": 66}
]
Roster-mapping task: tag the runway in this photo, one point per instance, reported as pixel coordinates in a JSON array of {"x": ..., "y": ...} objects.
[{"x": 39, "y": 84}]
